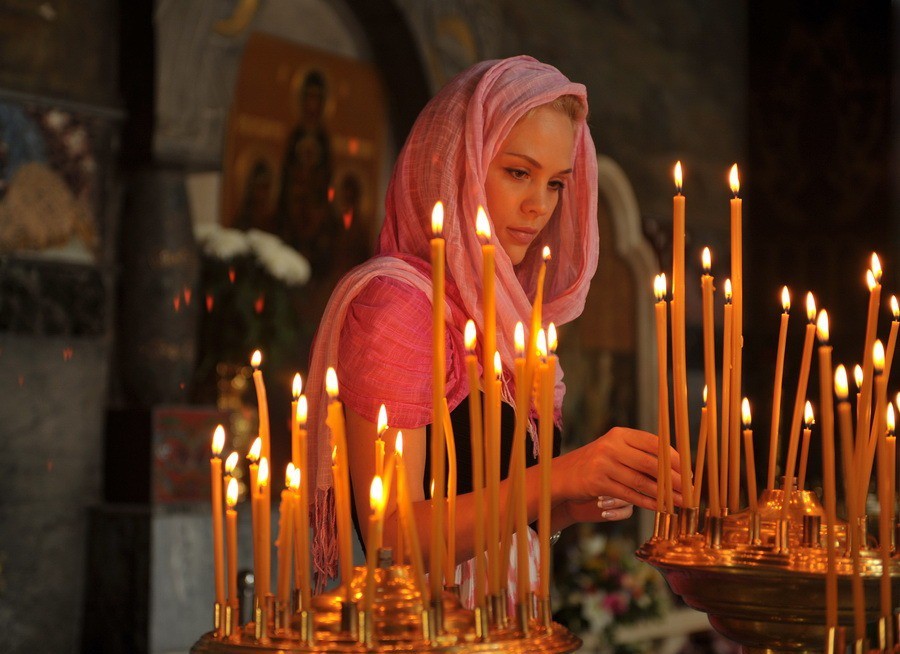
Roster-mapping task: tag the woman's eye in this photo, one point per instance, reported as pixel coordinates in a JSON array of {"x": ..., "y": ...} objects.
[
  {"x": 557, "y": 185},
  {"x": 517, "y": 173}
]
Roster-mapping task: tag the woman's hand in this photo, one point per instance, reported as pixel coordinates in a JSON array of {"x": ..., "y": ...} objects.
[
  {"x": 620, "y": 464},
  {"x": 602, "y": 509}
]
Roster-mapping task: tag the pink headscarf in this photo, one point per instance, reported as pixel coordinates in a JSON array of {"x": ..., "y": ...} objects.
[{"x": 446, "y": 157}]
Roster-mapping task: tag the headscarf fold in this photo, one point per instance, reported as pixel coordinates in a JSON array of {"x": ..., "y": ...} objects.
[{"x": 446, "y": 157}]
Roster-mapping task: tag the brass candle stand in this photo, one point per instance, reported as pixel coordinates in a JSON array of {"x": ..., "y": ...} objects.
[
  {"x": 761, "y": 579},
  {"x": 398, "y": 622}
]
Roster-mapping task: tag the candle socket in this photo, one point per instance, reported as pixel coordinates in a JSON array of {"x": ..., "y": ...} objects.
[
  {"x": 812, "y": 525},
  {"x": 861, "y": 646},
  {"x": 297, "y": 600},
  {"x": 229, "y": 619},
  {"x": 217, "y": 618},
  {"x": 349, "y": 617},
  {"x": 454, "y": 589},
  {"x": 688, "y": 520},
  {"x": 366, "y": 634},
  {"x": 831, "y": 644},
  {"x": 497, "y": 609},
  {"x": 862, "y": 531},
  {"x": 523, "y": 613},
  {"x": 782, "y": 535},
  {"x": 437, "y": 613},
  {"x": 885, "y": 634},
  {"x": 385, "y": 557},
  {"x": 672, "y": 526},
  {"x": 660, "y": 525},
  {"x": 754, "y": 537},
  {"x": 282, "y": 617},
  {"x": 259, "y": 627},
  {"x": 481, "y": 623},
  {"x": 714, "y": 532},
  {"x": 545, "y": 614}
]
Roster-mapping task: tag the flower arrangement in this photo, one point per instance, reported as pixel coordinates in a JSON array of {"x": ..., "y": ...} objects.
[
  {"x": 600, "y": 585},
  {"x": 249, "y": 283}
]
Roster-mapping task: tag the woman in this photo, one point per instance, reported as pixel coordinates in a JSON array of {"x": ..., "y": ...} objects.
[{"x": 509, "y": 135}]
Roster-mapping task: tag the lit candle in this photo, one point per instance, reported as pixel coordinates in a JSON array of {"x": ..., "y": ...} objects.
[
  {"x": 382, "y": 426},
  {"x": 679, "y": 360},
  {"x": 253, "y": 457},
  {"x": 285, "y": 533},
  {"x": 737, "y": 338},
  {"x": 750, "y": 461},
  {"x": 867, "y": 449},
  {"x": 265, "y": 530},
  {"x": 726, "y": 395},
  {"x": 496, "y": 564},
  {"x": 231, "y": 498},
  {"x": 709, "y": 368},
  {"x": 340, "y": 469},
  {"x": 536, "y": 314},
  {"x": 230, "y": 464},
  {"x": 892, "y": 337},
  {"x": 407, "y": 520},
  {"x": 262, "y": 403},
  {"x": 523, "y": 396},
  {"x": 776, "y": 394},
  {"x": 826, "y": 399},
  {"x": 296, "y": 390},
  {"x": 664, "y": 502},
  {"x": 450, "y": 559},
  {"x": 808, "y": 422},
  {"x": 802, "y": 382},
  {"x": 886, "y": 513},
  {"x": 547, "y": 383},
  {"x": 477, "y": 459},
  {"x": 301, "y": 508},
  {"x": 864, "y": 402},
  {"x": 215, "y": 470},
  {"x": 376, "y": 525},
  {"x": 701, "y": 447},
  {"x": 437, "y": 397}
]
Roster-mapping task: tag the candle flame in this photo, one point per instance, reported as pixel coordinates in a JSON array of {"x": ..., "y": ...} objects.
[
  {"x": 382, "y": 420},
  {"x": 519, "y": 339},
  {"x": 333, "y": 454},
  {"x": 745, "y": 413},
  {"x": 545, "y": 253},
  {"x": 376, "y": 494},
  {"x": 895, "y": 308},
  {"x": 398, "y": 443},
  {"x": 841, "y": 386},
  {"x": 288, "y": 474},
  {"x": 822, "y": 327},
  {"x": 498, "y": 365},
  {"x": 331, "y": 384},
  {"x": 218, "y": 441},
  {"x": 734, "y": 181},
  {"x": 542, "y": 343},
  {"x": 705, "y": 393},
  {"x": 297, "y": 386},
  {"x": 552, "y": 341},
  {"x": 262, "y": 475},
  {"x": 255, "y": 450},
  {"x": 294, "y": 482},
  {"x": 810, "y": 307},
  {"x": 876, "y": 267},
  {"x": 706, "y": 260},
  {"x": 679, "y": 177},
  {"x": 897, "y": 400},
  {"x": 659, "y": 287},
  {"x": 256, "y": 359},
  {"x": 727, "y": 291},
  {"x": 302, "y": 410},
  {"x": 482, "y": 225},
  {"x": 870, "y": 281},
  {"x": 231, "y": 493},
  {"x": 858, "y": 375},
  {"x": 809, "y": 418},
  {"x": 878, "y": 356},
  {"x": 785, "y": 299},
  {"x": 470, "y": 336},
  {"x": 890, "y": 420},
  {"x": 437, "y": 219},
  {"x": 231, "y": 463}
]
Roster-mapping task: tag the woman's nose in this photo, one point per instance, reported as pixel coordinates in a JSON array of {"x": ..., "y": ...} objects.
[{"x": 537, "y": 202}]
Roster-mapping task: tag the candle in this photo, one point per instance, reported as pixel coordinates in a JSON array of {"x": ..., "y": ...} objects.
[
  {"x": 547, "y": 383},
  {"x": 523, "y": 396},
  {"x": 301, "y": 508},
  {"x": 864, "y": 402},
  {"x": 285, "y": 532},
  {"x": 231, "y": 498},
  {"x": 262, "y": 403},
  {"x": 265, "y": 530},
  {"x": 868, "y": 446},
  {"x": 701, "y": 447},
  {"x": 477, "y": 459},
  {"x": 340, "y": 470},
  {"x": 496, "y": 564},
  {"x": 230, "y": 464},
  {"x": 536, "y": 315},
  {"x": 450, "y": 559},
  {"x": 709, "y": 369},
  {"x": 407, "y": 520},
  {"x": 381, "y": 427},
  {"x": 808, "y": 422},
  {"x": 802, "y": 382},
  {"x": 376, "y": 525},
  {"x": 437, "y": 397},
  {"x": 296, "y": 389},
  {"x": 664, "y": 501},
  {"x": 737, "y": 338},
  {"x": 885, "y": 513},
  {"x": 892, "y": 337},
  {"x": 776, "y": 393},
  {"x": 726, "y": 395},
  {"x": 749, "y": 455},
  {"x": 215, "y": 473},
  {"x": 679, "y": 360},
  {"x": 826, "y": 399},
  {"x": 491, "y": 415},
  {"x": 253, "y": 457}
]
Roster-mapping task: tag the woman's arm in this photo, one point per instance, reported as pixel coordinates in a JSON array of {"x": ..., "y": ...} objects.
[{"x": 621, "y": 464}]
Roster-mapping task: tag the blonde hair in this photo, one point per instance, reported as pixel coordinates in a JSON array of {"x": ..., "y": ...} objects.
[{"x": 568, "y": 105}]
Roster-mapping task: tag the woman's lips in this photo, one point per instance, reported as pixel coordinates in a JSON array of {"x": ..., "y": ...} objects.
[{"x": 521, "y": 235}]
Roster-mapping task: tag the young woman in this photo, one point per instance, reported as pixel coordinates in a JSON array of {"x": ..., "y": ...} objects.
[{"x": 511, "y": 136}]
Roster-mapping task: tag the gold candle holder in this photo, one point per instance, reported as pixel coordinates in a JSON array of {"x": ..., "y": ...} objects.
[
  {"x": 812, "y": 526},
  {"x": 217, "y": 618},
  {"x": 229, "y": 621},
  {"x": 349, "y": 617},
  {"x": 714, "y": 531},
  {"x": 688, "y": 521},
  {"x": 754, "y": 531}
]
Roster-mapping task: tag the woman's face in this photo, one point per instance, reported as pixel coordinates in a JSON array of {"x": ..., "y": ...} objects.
[{"x": 525, "y": 179}]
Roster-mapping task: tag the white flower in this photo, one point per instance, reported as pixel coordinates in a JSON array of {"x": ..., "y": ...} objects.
[
  {"x": 595, "y": 613},
  {"x": 221, "y": 242},
  {"x": 281, "y": 261},
  {"x": 594, "y": 545}
]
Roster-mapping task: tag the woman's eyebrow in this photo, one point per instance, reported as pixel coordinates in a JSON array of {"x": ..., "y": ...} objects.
[{"x": 535, "y": 163}]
